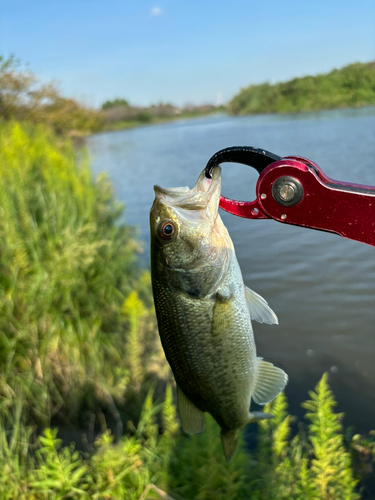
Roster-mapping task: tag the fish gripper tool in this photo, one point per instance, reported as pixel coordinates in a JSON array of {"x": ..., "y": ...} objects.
[{"x": 295, "y": 190}]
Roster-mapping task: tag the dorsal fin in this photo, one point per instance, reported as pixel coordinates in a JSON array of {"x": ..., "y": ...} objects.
[{"x": 259, "y": 309}]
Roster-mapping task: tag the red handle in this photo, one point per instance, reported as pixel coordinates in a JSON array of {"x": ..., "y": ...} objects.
[{"x": 295, "y": 191}]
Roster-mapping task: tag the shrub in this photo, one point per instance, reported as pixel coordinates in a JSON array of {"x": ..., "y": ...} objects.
[{"x": 22, "y": 97}]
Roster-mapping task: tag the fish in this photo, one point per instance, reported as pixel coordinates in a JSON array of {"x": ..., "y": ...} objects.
[{"x": 204, "y": 313}]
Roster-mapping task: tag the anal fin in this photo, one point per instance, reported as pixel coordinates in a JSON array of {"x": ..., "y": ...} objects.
[
  {"x": 270, "y": 381},
  {"x": 192, "y": 418}
]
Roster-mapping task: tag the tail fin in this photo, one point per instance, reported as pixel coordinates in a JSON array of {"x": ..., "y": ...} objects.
[{"x": 229, "y": 441}]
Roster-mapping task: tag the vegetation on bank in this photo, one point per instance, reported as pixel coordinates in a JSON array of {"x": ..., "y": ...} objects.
[
  {"x": 79, "y": 350},
  {"x": 24, "y": 98},
  {"x": 351, "y": 86},
  {"x": 76, "y": 316},
  {"x": 120, "y": 116},
  {"x": 154, "y": 461}
]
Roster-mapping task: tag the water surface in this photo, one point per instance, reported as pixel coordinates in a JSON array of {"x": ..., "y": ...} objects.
[{"x": 321, "y": 286}]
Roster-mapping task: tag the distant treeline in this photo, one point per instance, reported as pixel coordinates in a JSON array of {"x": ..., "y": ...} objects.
[
  {"x": 351, "y": 86},
  {"x": 119, "y": 113},
  {"x": 24, "y": 98}
]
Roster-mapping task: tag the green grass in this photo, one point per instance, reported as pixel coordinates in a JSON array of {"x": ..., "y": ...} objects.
[
  {"x": 46, "y": 469},
  {"x": 66, "y": 270},
  {"x": 153, "y": 460}
]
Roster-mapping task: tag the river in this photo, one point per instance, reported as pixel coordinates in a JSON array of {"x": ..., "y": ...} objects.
[{"x": 321, "y": 286}]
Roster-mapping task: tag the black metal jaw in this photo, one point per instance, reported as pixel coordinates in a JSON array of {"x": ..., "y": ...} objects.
[{"x": 253, "y": 157}]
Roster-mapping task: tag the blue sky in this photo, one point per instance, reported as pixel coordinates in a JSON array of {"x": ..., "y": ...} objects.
[{"x": 182, "y": 51}]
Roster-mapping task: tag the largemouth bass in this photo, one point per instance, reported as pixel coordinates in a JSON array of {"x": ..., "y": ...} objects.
[{"x": 204, "y": 313}]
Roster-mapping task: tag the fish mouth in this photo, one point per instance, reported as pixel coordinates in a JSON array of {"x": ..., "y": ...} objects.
[{"x": 196, "y": 198}]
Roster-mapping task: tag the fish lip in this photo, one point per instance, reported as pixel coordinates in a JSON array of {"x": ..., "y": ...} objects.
[
  {"x": 173, "y": 192},
  {"x": 202, "y": 192},
  {"x": 208, "y": 185}
]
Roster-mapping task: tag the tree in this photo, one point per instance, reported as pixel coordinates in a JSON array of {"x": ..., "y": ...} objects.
[
  {"x": 114, "y": 103},
  {"x": 22, "y": 97}
]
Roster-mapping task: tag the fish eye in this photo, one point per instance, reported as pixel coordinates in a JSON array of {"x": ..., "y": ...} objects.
[{"x": 167, "y": 230}]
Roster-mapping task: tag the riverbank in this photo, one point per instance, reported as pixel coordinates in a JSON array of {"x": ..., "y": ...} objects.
[
  {"x": 185, "y": 115},
  {"x": 25, "y": 99},
  {"x": 352, "y": 86}
]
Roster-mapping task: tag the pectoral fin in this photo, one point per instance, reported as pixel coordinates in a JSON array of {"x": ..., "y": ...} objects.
[
  {"x": 223, "y": 317},
  {"x": 259, "y": 309},
  {"x": 192, "y": 418},
  {"x": 270, "y": 381}
]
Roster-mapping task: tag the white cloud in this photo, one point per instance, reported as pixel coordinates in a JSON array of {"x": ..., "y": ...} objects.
[{"x": 156, "y": 11}]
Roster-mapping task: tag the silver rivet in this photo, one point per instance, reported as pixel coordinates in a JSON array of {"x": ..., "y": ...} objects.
[
  {"x": 283, "y": 216},
  {"x": 287, "y": 192},
  {"x": 263, "y": 196}
]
